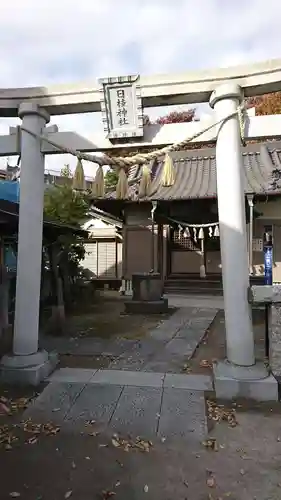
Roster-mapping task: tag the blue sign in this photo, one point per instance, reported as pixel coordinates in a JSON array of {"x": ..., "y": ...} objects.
[
  {"x": 10, "y": 191},
  {"x": 267, "y": 265}
]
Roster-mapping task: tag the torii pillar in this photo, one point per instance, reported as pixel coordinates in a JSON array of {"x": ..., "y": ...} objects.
[
  {"x": 240, "y": 364},
  {"x": 26, "y": 364}
]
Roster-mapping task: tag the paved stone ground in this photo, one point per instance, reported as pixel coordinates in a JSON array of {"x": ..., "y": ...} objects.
[
  {"x": 139, "y": 398},
  {"x": 142, "y": 391},
  {"x": 164, "y": 349},
  {"x": 139, "y": 403}
]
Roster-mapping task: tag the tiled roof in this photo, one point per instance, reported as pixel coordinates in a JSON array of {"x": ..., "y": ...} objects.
[{"x": 196, "y": 173}]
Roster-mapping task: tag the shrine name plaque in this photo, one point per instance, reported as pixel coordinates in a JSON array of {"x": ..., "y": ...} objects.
[{"x": 121, "y": 107}]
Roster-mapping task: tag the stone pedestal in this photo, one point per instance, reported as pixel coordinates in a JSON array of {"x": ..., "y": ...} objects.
[
  {"x": 27, "y": 370},
  {"x": 275, "y": 339},
  {"x": 270, "y": 295},
  {"x": 250, "y": 382},
  {"x": 147, "y": 295}
]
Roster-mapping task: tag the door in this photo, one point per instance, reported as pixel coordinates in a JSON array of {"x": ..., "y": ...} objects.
[{"x": 184, "y": 253}]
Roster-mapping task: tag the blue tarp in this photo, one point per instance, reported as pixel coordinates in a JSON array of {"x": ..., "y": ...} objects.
[{"x": 10, "y": 191}]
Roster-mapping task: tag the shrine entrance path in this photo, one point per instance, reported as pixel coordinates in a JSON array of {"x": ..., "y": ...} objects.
[
  {"x": 149, "y": 389},
  {"x": 157, "y": 344},
  {"x": 85, "y": 465}
]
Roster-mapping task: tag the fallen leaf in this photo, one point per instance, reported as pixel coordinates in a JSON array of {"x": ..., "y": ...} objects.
[
  {"x": 145, "y": 488},
  {"x": 55, "y": 410},
  {"x": 73, "y": 465},
  {"x": 8, "y": 447},
  {"x": 4, "y": 409},
  {"x": 14, "y": 494},
  {"x": 115, "y": 443},
  {"x": 103, "y": 445},
  {"x": 32, "y": 440},
  {"x": 211, "y": 482},
  {"x": 211, "y": 444},
  {"x": 68, "y": 494},
  {"x": 242, "y": 472},
  {"x": 117, "y": 484},
  {"x": 107, "y": 494},
  {"x": 186, "y": 368},
  {"x": 205, "y": 363},
  {"x": 218, "y": 413},
  {"x": 87, "y": 458},
  {"x": 185, "y": 483}
]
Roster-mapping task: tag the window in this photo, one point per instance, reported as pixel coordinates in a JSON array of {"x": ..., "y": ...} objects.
[{"x": 179, "y": 241}]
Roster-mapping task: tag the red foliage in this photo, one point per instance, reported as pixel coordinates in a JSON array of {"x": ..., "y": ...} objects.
[
  {"x": 177, "y": 117},
  {"x": 267, "y": 104}
]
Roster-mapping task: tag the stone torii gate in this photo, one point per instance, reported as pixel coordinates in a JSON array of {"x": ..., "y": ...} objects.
[{"x": 225, "y": 90}]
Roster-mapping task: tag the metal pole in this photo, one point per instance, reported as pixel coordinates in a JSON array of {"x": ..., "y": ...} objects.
[
  {"x": 154, "y": 206},
  {"x": 251, "y": 227}
]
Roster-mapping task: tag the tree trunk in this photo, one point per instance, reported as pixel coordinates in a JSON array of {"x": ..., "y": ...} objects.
[{"x": 56, "y": 323}]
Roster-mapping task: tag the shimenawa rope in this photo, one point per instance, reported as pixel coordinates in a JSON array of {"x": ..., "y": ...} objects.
[{"x": 140, "y": 159}]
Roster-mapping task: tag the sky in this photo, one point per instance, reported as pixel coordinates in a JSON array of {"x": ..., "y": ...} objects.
[{"x": 70, "y": 41}]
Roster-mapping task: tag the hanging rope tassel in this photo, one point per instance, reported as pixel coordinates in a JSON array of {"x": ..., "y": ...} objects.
[
  {"x": 201, "y": 234},
  {"x": 186, "y": 233},
  {"x": 98, "y": 185},
  {"x": 145, "y": 182},
  {"x": 79, "y": 177},
  {"x": 168, "y": 172},
  {"x": 216, "y": 232},
  {"x": 122, "y": 185},
  {"x": 210, "y": 231},
  {"x": 195, "y": 234}
]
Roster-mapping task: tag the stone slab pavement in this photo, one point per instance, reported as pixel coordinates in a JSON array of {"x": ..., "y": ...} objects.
[
  {"x": 165, "y": 348},
  {"x": 168, "y": 346},
  {"x": 143, "y": 391},
  {"x": 208, "y": 301},
  {"x": 139, "y": 403}
]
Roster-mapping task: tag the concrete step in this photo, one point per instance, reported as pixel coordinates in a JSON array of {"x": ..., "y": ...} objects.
[{"x": 193, "y": 291}]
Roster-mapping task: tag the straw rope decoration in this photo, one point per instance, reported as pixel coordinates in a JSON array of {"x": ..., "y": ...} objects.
[
  {"x": 78, "y": 181},
  {"x": 145, "y": 181},
  {"x": 122, "y": 163},
  {"x": 98, "y": 185}
]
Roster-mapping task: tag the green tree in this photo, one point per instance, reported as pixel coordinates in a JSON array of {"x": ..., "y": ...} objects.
[
  {"x": 64, "y": 205},
  {"x": 110, "y": 179}
]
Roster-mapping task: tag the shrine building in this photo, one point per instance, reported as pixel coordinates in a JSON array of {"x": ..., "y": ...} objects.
[{"x": 174, "y": 230}]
